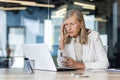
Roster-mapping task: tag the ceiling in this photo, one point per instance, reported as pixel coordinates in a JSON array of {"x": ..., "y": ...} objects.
[
  {"x": 101, "y": 5},
  {"x": 54, "y": 2}
]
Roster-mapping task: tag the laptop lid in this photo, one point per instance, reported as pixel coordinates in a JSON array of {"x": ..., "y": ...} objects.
[{"x": 41, "y": 54}]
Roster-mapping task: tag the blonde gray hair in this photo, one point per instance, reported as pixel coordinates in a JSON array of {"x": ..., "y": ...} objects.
[{"x": 83, "y": 37}]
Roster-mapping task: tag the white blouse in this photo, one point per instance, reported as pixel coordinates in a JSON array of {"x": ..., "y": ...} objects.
[
  {"x": 78, "y": 50},
  {"x": 92, "y": 54}
]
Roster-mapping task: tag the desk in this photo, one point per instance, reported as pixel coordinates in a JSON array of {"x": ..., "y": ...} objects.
[{"x": 18, "y": 74}]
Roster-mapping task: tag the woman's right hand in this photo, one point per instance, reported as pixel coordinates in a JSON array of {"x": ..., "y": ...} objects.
[{"x": 63, "y": 33}]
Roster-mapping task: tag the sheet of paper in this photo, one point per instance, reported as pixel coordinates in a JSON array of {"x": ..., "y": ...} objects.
[{"x": 113, "y": 70}]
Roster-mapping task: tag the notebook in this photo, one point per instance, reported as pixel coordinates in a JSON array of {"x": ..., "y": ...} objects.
[{"x": 42, "y": 56}]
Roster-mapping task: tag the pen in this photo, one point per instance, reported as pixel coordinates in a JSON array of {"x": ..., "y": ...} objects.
[
  {"x": 81, "y": 76},
  {"x": 77, "y": 75},
  {"x": 30, "y": 66}
]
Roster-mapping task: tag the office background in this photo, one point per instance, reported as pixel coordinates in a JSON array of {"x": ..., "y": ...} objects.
[{"x": 41, "y": 24}]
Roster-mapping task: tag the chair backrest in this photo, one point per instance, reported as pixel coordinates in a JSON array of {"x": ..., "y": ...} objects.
[
  {"x": 1, "y": 53},
  {"x": 106, "y": 49}
]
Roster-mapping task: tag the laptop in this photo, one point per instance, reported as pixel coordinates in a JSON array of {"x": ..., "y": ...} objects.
[{"x": 42, "y": 56}]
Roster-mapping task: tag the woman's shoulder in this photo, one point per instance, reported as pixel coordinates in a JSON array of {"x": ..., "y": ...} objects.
[{"x": 92, "y": 33}]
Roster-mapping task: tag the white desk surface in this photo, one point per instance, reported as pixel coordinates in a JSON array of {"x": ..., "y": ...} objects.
[{"x": 18, "y": 74}]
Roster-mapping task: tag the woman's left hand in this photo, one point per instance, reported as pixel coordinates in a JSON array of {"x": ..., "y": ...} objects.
[{"x": 68, "y": 62}]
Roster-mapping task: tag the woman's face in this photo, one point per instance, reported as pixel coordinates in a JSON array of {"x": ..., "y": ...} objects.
[{"x": 72, "y": 26}]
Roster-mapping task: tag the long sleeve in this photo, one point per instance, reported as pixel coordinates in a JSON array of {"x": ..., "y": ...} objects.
[
  {"x": 59, "y": 58},
  {"x": 102, "y": 61}
]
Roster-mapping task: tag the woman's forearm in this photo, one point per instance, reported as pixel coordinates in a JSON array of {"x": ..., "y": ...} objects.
[
  {"x": 62, "y": 38},
  {"x": 61, "y": 44}
]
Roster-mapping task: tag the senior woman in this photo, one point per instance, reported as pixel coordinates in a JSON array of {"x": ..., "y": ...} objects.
[{"x": 80, "y": 47}]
